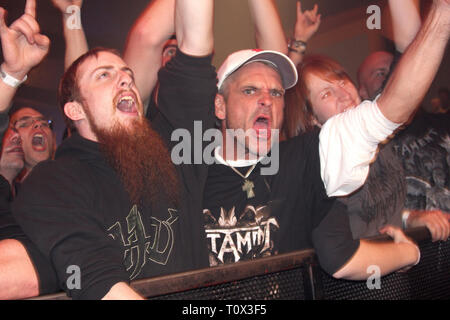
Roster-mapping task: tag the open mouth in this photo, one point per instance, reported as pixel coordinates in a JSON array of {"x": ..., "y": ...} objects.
[
  {"x": 127, "y": 103},
  {"x": 262, "y": 126},
  {"x": 38, "y": 142}
]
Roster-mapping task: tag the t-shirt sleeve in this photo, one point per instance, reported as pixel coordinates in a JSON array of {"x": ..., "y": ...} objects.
[
  {"x": 333, "y": 240},
  {"x": 348, "y": 145},
  {"x": 58, "y": 218}
]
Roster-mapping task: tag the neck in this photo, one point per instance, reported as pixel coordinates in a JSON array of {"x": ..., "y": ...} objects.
[
  {"x": 220, "y": 158},
  {"x": 232, "y": 149}
]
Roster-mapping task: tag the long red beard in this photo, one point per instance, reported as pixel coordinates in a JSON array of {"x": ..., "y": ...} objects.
[{"x": 142, "y": 161}]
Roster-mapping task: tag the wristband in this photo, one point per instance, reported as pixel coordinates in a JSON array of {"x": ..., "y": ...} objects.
[
  {"x": 298, "y": 46},
  {"x": 10, "y": 80},
  {"x": 405, "y": 216}
]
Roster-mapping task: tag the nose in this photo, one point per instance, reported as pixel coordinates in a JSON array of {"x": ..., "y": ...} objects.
[
  {"x": 125, "y": 80},
  {"x": 265, "y": 99},
  {"x": 343, "y": 93},
  {"x": 36, "y": 124}
]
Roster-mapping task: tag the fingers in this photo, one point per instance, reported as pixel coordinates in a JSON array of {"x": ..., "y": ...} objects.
[
  {"x": 42, "y": 41},
  {"x": 438, "y": 225},
  {"x": 27, "y": 24},
  {"x": 24, "y": 27},
  {"x": 395, "y": 233},
  {"x": 30, "y": 8},
  {"x": 3, "y": 26},
  {"x": 315, "y": 9},
  {"x": 389, "y": 230}
]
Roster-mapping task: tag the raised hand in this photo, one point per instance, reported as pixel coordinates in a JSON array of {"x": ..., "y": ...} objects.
[
  {"x": 22, "y": 43},
  {"x": 307, "y": 23}
]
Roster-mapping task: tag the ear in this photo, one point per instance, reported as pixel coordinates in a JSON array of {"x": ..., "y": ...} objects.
[
  {"x": 74, "y": 111},
  {"x": 220, "y": 107}
]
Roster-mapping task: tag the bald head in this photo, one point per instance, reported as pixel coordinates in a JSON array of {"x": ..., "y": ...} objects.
[{"x": 373, "y": 72}]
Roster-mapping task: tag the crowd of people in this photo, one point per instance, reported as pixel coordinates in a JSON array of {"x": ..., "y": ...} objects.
[{"x": 352, "y": 161}]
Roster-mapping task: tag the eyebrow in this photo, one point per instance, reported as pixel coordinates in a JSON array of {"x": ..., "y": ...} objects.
[
  {"x": 31, "y": 117},
  {"x": 127, "y": 69}
]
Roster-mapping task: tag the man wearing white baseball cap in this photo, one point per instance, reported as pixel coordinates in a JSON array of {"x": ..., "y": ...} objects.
[{"x": 249, "y": 214}]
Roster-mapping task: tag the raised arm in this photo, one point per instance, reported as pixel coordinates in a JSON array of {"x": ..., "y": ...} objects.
[
  {"x": 23, "y": 47},
  {"x": 74, "y": 37},
  {"x": 194, "y": 26},
  {"x": 416, "y": 69},
  {"x": 145, "y": 44},
  {"x": 405, "y": 22},
  {"x": 306, "y": 25},
  {"x": 269, "y": 31}
]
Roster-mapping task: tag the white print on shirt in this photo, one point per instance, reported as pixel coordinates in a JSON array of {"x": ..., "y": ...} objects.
[
  {"x": 140, "y": 246},
  {"x": 426, "y": 160},
  {"x": 231, "y": 239}
]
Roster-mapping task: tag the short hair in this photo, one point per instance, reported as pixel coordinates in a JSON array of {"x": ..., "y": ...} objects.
[
  {"x": 299, "y": 115},
  {"x": 69, "y": 90}
]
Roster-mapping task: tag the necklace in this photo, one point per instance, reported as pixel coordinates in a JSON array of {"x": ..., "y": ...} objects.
[{"x": 248, "y": 184}]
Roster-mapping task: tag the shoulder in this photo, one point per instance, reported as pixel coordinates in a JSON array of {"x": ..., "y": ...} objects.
[
  {"x": 301, "y": 145},
  {"x": 56, "y": 179}
]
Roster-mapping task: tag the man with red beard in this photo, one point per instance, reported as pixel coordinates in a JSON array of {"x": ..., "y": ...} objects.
[{"x": 112, "y": 205}]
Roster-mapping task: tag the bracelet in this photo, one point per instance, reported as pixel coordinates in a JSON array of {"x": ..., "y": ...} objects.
[
  {"x": 294, "y": 46},
  {"x": 405, "y": 216},
  {"x": 10, "y": 80}
]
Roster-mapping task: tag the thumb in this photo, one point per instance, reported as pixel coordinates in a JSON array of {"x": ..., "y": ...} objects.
[{"x": 42, "y": 41}]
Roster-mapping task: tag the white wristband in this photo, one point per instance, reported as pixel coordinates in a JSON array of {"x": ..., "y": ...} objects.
[
  {"x": 405, "y": 216},
  {"x": 10, "y": 80}
]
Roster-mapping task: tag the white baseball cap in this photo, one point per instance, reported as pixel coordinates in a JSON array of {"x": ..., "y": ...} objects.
[{"x": 238, "y": 59}]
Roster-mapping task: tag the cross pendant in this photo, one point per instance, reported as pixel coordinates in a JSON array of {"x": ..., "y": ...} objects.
[{"x": 248, "y": 187}]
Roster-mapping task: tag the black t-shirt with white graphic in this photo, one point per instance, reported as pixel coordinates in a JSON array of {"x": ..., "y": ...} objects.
[
  {"x": 281, "y": 216},
  {"x": 424, "y": 149}
]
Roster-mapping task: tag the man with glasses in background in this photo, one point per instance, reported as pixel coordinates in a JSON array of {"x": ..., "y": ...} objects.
[
  {"x": 28, "y": 140},
  {"x": 38, "y": 139}
]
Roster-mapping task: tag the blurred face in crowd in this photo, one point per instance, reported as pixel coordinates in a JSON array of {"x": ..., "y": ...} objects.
[
  {"x": 169, "y": 51},
  {"x": 330, "y": 96},
  {"x": 109, "y": 96},
  {"x": 372, "y": 74},
  {"x": 36, "y": 135},
  {"x": 252, "y": 98},
  {"x": 12, "y": 156}
]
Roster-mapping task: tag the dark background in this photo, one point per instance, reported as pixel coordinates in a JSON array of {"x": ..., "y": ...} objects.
[{"x": 343, "y": 35}]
